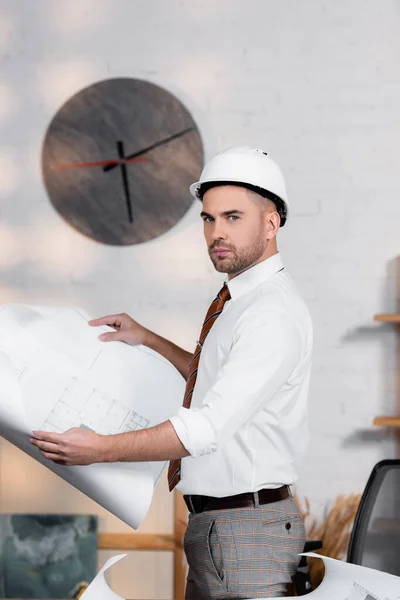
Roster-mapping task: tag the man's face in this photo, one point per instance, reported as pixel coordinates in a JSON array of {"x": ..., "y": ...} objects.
[{"x": 235, "y": 228}]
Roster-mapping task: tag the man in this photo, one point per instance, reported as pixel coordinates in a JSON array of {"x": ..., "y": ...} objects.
[{"x": 242, "y": 429}]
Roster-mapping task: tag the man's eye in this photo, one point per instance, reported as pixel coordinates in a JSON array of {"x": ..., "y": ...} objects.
[
  {"x": 233, "y": 217},
  {"x": 207, "y": 219}
]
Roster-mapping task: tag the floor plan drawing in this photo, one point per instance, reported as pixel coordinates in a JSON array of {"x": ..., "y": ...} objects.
[{"x": 83, "y": 405}]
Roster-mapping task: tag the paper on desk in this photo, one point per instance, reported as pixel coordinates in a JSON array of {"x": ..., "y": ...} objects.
[
  {"x": 55, "y": 374},
  {"x": 99, "y": 588},
  {"x": 344, "y": 581}
]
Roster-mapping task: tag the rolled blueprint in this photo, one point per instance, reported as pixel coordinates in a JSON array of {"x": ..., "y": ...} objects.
[{"x": 56, "y": 374}]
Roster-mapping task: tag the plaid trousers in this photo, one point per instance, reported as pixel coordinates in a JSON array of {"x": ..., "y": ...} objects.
[{"x": 243, "y": 552}]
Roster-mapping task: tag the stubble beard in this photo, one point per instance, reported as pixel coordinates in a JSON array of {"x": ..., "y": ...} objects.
[{"x": 238, "y": 260}]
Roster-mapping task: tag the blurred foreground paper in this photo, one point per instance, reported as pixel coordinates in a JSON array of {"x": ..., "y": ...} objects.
[
  {"x": 344, "y": 581},
  {"x": 55, "y": 374},
  {"x": 99, "y": 589}
]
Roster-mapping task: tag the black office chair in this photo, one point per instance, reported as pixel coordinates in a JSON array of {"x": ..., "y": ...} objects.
[{"x": 375, "y": 537}]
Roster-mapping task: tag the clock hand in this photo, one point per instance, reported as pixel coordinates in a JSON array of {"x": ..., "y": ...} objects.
[
  {"x": 120, "y": 149},
  {"x": 135, "y": 155},
  {"x": 97, "y": 163}
]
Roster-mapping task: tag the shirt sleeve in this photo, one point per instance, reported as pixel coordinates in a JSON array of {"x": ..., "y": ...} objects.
[{"x": 266, "y": 349}]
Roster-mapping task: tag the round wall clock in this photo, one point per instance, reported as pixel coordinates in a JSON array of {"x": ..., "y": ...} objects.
[{"x": 118, "y": 158}]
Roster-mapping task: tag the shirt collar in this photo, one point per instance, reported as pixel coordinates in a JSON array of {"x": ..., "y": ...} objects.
[{"x": 246, "y": 281}]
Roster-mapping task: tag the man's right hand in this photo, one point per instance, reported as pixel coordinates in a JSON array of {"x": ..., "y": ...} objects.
[{"x": 127, "y": 330}]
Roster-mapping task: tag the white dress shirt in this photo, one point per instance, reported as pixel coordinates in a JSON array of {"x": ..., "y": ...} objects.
[{"x": 246, "y": 428}]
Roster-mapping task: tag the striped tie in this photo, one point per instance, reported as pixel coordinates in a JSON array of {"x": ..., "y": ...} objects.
[{"x": 174, "y": 471}]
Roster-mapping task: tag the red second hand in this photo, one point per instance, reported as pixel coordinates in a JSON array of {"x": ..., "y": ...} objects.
[{"x": 98, "y": 163}]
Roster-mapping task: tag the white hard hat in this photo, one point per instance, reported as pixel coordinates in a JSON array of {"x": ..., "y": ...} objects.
[{"x": 242, "y": 164}]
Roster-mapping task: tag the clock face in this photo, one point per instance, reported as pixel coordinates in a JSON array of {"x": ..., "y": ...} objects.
[{"x": 118, "y": 159}]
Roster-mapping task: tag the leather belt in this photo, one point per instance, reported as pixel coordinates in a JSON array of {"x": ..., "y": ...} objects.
[{"x": 198, "y": 504}]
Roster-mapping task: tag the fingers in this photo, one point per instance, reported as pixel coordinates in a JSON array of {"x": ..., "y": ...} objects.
[
  {"x": 48, "y": 449},
  {"x": 46, "y": 446},
  {"x": 47, "y": 436},
  {"x": 54, "y": 457},
  {"x": 69, "y": 448},
  {"x": 113, "y": 336},
  {"x": 112, "y": 320}
]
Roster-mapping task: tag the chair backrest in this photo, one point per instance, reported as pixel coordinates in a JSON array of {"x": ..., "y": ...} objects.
[{"x": 375, "y": 537}]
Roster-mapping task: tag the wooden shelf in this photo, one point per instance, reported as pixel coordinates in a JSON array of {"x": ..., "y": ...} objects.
[
  {"x": 387, "y": 318},
  {"x": 387, "y": 421},
  {"x": 136, "y": 541}
]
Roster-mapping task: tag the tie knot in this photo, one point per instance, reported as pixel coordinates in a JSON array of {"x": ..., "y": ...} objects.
[{"x": 224, "y": 293}]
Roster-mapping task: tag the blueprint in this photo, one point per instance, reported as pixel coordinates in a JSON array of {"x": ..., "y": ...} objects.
[
  {"x": 99, "y": 589},
  {"x": 82, "y": 405},
  {"x": 56, "y": 374},
  {"x": 344, "y": 581}
]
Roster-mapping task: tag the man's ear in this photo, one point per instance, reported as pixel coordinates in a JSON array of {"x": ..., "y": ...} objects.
[{"x": 272, "y": 223}]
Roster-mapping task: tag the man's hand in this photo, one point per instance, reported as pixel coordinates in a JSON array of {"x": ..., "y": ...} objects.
[
  {"x": 131, "y": 332},
  {"x": 82, "y": 447},
  {"x": 127, "y": 330},
  {"x": 74, "y": 447}
]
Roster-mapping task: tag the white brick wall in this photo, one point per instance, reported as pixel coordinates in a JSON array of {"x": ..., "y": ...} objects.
[{"x": 316, "y": 84}]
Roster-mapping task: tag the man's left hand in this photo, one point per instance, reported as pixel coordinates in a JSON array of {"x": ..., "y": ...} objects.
[{"x": 74, "y": 447}]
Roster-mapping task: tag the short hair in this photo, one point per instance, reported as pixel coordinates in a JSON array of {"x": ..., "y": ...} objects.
[{"x": 280, "y": 205}]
